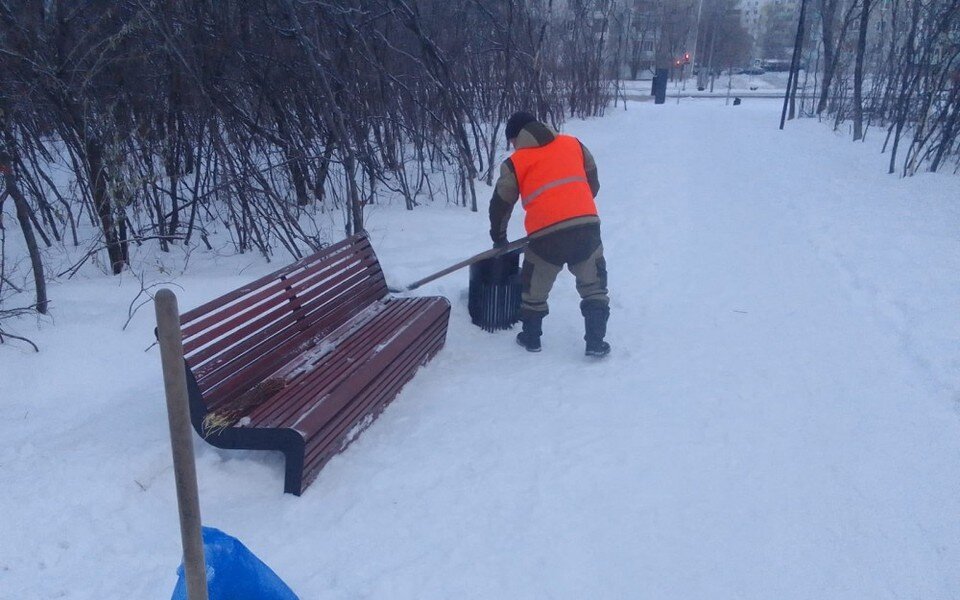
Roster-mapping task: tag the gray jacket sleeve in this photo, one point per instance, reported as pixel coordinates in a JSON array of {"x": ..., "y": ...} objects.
[
  {"x": 505, "y": 196},
  {"x": 590, "y": 166}
]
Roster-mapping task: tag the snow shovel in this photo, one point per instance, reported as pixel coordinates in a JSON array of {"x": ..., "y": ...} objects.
[
  {"x": 215, "y": 565},
  {"x": 491, "y": 253},
  {"x": 234, "y": 572}
]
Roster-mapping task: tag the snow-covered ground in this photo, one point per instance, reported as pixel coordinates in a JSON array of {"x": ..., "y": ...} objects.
[{"x": 779, "y": 418}]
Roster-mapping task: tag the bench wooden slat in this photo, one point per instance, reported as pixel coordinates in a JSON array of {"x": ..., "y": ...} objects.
[
  {"x": 333, "y": 438},
  {"x": 352, "y": 372},
  {"x": 229, "y": 297},
  {"x": 272, "y": 334},
  {"x": 278, "y": 292},
  {"x": 311, "y": 388},
  {"x": 343, "y": 363},
  {"x": 234, "y": 330},
  {"x": 390, "y": 379},
  {"x": 224, "y": 384},
  {"x": 276, "y": 297},
  {"x": 350, "y": 387}
]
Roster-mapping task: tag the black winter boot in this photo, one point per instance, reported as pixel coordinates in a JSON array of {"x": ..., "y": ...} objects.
[
  {"x": 529, "y": 338},
  {"x": 595, "y": 317}
]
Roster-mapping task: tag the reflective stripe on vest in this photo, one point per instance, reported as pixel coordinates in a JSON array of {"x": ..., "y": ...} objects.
[
  {"x": 553, "y": 183},
  {"x": 550, "y": 186}
]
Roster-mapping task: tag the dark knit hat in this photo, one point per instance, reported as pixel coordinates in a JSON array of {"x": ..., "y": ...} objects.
[{"x": 517, "y": 122}]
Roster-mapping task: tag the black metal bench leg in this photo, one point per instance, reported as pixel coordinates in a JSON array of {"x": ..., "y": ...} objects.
[{"x": 293, "y": 476}]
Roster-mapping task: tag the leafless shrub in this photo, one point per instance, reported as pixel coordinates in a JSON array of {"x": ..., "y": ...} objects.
[{"x": 176, "y": 119}]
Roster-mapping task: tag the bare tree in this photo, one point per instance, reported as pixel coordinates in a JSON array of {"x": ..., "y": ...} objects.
[
  {"x": 865, "y": 6},
  {"x": 836, "y": 17}
]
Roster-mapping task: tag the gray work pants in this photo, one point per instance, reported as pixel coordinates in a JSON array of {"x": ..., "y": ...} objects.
[{"x": 581, "y": 250}]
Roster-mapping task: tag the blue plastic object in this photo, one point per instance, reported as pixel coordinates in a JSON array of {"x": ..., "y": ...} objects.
[{"x": 234, "y": 573}]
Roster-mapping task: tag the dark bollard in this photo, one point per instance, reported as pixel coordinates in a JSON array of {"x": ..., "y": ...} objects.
[{"x": 660, "y": 86}]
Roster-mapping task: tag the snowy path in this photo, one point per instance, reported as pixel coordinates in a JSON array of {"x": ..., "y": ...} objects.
[{"x": 778, "y": 420}]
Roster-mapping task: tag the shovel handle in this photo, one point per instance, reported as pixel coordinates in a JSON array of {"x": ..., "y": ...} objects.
[
  {"x": 181, "y": 441},
  {"x": 491, "y": 253}
]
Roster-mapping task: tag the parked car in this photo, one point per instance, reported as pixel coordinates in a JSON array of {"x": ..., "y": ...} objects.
[{"x": 752, "y": 71}]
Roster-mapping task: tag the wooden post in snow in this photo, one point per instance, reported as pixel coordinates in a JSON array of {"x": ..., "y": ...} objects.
[{"x": 181, "y": 440}]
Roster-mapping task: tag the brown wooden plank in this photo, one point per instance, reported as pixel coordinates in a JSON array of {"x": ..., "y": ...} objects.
[
  {"x": 315, "y": 419},
  {"x": 352, "y": 354},
  {"x": 323, "y": 446},
  {"x": 272, "y": 293},
  {"x": 266, "y": 332},
  {"x": 386, "y": 384},
  {"x": 373, "y": 398},
  {"x": 346, "y": 343},
  {"x": 412, "y": 355},
  {"x": 322, "y": 311},
  {"x": 241, "y": 326},
  {"x": 241, "y": 291},
  {"x": 248, "y": 296},
  {"x": 340, "y": 364},
  {"x": 348, "y": 264},
  {"x": 256, "y": 364}
]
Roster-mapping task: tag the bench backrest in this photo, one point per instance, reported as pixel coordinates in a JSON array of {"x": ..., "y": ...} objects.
[{"x": 234, "y": 342}]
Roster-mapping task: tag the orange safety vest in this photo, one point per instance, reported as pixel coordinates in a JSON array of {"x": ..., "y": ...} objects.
[{"x": 553, "y": 183}]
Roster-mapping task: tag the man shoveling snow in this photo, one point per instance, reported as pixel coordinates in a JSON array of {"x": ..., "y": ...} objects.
[{"x": 555, "y": 177}]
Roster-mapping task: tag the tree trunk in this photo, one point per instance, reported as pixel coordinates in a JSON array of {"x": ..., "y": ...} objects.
[
  {"x": 949, "y": 128},
  {"x": 833, "y": 38},
  {"x": 793, "y": 94},
  {"x": 116, "y": 243},
  {"x": 798, "y": 56},
  {"x": 828, "y": 11},
  {"x": 23, "y": 216},
  {"x": 794, "y": 67},
  {"x": 858, "y": 73}
]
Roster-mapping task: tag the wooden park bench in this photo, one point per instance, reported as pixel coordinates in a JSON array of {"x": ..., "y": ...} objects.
[{"x": 304, "y": 359}]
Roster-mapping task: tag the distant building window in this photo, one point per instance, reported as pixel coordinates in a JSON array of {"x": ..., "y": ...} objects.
[{"x": 648, "y": 46}]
